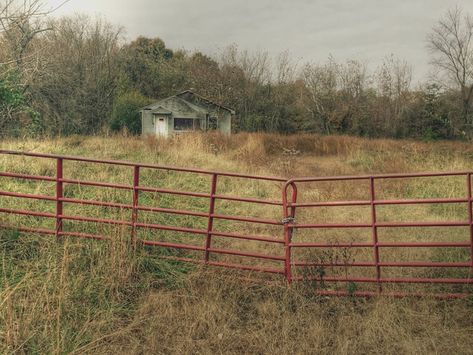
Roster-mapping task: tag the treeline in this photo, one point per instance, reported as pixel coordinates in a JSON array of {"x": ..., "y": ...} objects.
[{"x": 76, "y": 75}]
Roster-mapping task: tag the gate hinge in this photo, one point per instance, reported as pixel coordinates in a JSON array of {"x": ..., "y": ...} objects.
[{"x": 288, "y": 220}]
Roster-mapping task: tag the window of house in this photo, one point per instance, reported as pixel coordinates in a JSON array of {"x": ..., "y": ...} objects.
[{"x": 183, "y": 124}]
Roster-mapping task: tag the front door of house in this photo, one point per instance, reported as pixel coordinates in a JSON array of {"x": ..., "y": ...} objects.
[{"x": 161, "y": 126}]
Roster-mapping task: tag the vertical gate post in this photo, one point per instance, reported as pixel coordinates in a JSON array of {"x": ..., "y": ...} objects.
[
  {"x": 289, "y": 213},
  {"x": 59, "y": 196},
  {"x": 208, "y": 240},
  {"x": 375, "y": 233},
  {"x": 470, "y": 217},
  {"x": 136, "y": 192}
]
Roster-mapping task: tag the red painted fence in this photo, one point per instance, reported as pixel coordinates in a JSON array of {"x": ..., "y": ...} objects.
[{"x": 322, "y": 265}]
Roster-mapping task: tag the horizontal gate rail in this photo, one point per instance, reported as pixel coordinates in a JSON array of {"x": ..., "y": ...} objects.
[
  {"x": 283, "y": 237},
  {"x": 141, "y": 165},
  {"x": 381, "y": 202},
  {"x": 381, "y": 245},
  {"x": 386, "y": 264},
  {"x": 382, "y": 224}
]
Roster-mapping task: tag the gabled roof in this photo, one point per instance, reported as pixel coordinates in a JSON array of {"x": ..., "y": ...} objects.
[
  {"x": 161, "y": 110},
  {"x": 206, "y": 100},
  {"x": 160, "y": 106},
  {"x": 176, "y": 105},
  {"x": 191, "y": 106},
  {"x": 152, "y": 106}
]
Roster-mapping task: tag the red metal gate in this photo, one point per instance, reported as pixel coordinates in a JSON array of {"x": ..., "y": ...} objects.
[
  {"x": 459, "y": 268},
  {"x": 135, "y": 226},
  {"x": 284, "y": 243}
]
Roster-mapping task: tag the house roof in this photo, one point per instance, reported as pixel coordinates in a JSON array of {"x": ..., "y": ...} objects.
[
  {"x": 161, "y": 110},
  {"x": 206, "y": 100},
  {"x": 163, "y": 106},
  {"x": 177, "y": 106}
]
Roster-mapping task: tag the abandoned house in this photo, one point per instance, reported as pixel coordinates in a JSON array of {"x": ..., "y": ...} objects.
[{"x": 185, "y": 112}]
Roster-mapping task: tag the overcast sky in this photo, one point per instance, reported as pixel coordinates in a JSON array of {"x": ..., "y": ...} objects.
[{"x": 311, "y": 30}]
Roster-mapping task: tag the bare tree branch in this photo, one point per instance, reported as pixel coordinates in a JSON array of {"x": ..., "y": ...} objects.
[{"x": 450, "y": 42}]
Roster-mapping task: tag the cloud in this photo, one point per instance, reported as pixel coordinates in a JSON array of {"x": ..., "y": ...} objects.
[{"x": 366, "y": 30}]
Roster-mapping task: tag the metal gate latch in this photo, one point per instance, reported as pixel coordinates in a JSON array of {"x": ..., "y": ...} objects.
[{"x": 288, "y": 220}]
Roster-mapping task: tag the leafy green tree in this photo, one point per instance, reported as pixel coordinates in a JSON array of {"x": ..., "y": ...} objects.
[
  {"x": 146, "y": 64},
  {"x": 11, "y": 95},
  {"x": 12, "y": 101}
]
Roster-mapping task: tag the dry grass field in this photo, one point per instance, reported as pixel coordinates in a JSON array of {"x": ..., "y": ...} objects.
[{"x": 82, "y": 296}]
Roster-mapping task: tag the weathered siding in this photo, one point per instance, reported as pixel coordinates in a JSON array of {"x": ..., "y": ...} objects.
[
  {"x": 225, "y": 123},
  {"x": 147, "y": 122},
  {"x": 170, "y": 125}
]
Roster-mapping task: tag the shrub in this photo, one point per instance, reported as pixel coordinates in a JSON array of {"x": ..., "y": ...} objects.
[{"x": 125, "y": 112}]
